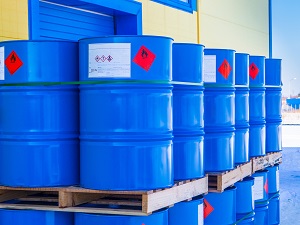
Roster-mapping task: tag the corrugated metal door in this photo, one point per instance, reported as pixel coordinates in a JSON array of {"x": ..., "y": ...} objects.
[{"x": 58, "y": 21}]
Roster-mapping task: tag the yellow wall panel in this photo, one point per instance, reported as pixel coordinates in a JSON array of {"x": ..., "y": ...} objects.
[
  {"x": 242, "y": 25},
  {"x": 159, "y": 19},
  {"x": 13, "y": 19}
]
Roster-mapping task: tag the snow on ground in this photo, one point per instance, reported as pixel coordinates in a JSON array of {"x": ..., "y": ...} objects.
[{"x": 290, "y": 176}]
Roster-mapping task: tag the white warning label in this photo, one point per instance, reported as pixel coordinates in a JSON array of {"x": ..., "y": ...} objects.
[
  {"x": 277, "y": 179},
  {"x": 209, "y": 68},
  {"x": 258, "y": 188},
  {"x": 2, "y": 63},
  {"x": 200, "y": 214},
  {"x": 108, "y": 60}
]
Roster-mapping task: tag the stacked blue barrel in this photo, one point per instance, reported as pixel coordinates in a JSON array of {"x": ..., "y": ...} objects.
[
  {"x": 219, "y": 109},
  {"x": 261, "y": 198},
  {"x": 274, "y": 195},
  {"x": 188, "y": 128},
  {"x": 188, "y": 122},
  {"x": 257, "y": 112},
  {"x": 241, "y": 145},
  {"x": 244, "y": 201},
  {"x": 125, "y": 119},
  {"x": 220, "y": 208},
  {"x": 38, "y": 121},
  {"x": 273, "y": 106}
]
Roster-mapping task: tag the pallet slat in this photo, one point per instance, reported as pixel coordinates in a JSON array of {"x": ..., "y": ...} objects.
[
  {"x": 70, "y": 199},
  {"x": 260, "y": 163}
]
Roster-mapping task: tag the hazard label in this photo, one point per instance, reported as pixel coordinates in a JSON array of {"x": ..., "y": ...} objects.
[
  {"x": 225, "y": 69},
  {"x": 1, "y": 63},
  {"x": 207, "y": 208},
  {"x": 258, "y": 188},
  {"x": 13, "y": 62},
  {"x": 253, "y": 71},
  {"x": 144, "y": 58},
  {"x": 108, "y": 60},
  {"x": 266, "y": 186},
  {"x": 209, "y": 68},
  {"x": 277, "y": 179}
]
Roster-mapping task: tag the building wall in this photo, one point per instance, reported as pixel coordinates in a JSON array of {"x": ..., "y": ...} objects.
[
  {"x": 162, "y": 20},
  {"x": 242, "y": 25},
  {"x": 13, "y": 19}
]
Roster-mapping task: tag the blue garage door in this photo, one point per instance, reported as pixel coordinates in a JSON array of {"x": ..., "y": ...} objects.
[{"x": 57, "y": 21}]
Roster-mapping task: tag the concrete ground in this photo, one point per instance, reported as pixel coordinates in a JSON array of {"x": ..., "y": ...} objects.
[{"x": 290, "y": 176}]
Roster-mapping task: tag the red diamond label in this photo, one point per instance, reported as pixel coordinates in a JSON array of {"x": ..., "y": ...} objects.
[
  {"x": 144, "y": 58},
  {"x": 266, "y": 186},
  {"x": 207, "y": 208},
  {"x": 225, "y": 69},
  {"x": 13, "y": 62},
  {"x": 253, "y": 71}
]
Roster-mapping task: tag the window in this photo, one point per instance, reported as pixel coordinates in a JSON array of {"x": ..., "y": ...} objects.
[{"x": 185, "y": 5}]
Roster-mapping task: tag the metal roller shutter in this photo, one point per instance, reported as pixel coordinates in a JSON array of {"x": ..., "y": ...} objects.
[{"x": 57, "y": 21}]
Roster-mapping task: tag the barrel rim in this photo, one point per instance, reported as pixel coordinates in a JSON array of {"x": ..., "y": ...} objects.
[
  {"x": 219, "y": 49},
  {"x": 189, "y": 44},
  {"x": 38, "y": 41}
]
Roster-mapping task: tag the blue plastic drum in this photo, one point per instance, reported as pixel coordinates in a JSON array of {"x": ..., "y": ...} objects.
[
  {"x": 241, "y": 106},
  {"x": 273, "y": 104},
  {"x": 219, "y": 65},
  {"x": 244, "y": 197},
  {"x": 218, "y": 151},
  {"x": 261, "y": 186},
  {"x": 219, "y": 109},
  {"x": 273, "y": 72},
  {"x": 257, "y": 140},
  {"x": 273, "y": 137},
  {"x": 26, "y": 217},
  {"x": 39, "y": 124},
  {"x": 257, "y": 105},
  {"x": 158, "y": 218},
  {"x": 274, "y": 209},
  {"x": 188, "y": 157},
  {"x": 256, "y": 71},
  {"x": 126, "y": 58},
  {"x": 273, "y": 179},
  {"x": 261, "y": 213},
  {"x": 190, "y": 212},
  {"x": 242, "y": 69},
  {"x": 126, "y": 118},
  {"x": 185, "y": 69},
  {"x": 222, "y": 207},
  {"x": 241, "y": 145}
]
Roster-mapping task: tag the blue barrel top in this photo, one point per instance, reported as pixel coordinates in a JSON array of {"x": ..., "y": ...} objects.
[
  {"x": 157, "y": 218},
  {"x": 273, "y": 72},
  {"x": 242, "y": 69},
  {"x": 219, "y": 67},
  {"x": 257, "y": 71},
  {"x": 39, "y": 61},
  {"x": 187, "y": 62},
  {"x": 35, "y": 217},
  {"x": 126, "y": 57}
]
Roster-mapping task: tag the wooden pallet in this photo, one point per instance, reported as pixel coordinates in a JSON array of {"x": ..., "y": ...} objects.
[
  {"x": 260, "y": 163},
  {"x": 217, "y": 182},
  {"x": 70, "y": 199}
]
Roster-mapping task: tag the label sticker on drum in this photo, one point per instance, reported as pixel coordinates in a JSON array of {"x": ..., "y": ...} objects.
[
  {"x": 266, "y": 186},
  {"x": 225, "y": 69},
  {"x": 144, "y": 58},
  {"x": 207, "y": 208},
  {"x": 253, "y": 71},
  {"x": 277, "y": 179},
  {"x": 252, "y": 190},
  {"x": 108, "y": 60},
  {"x": 258, "y": 188},
  {"x": 13, "y": 62},
  {"x": 1, "y": 63},
  {"x": 200, "y": 214},
  {"x": 209, "y": 68}
]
